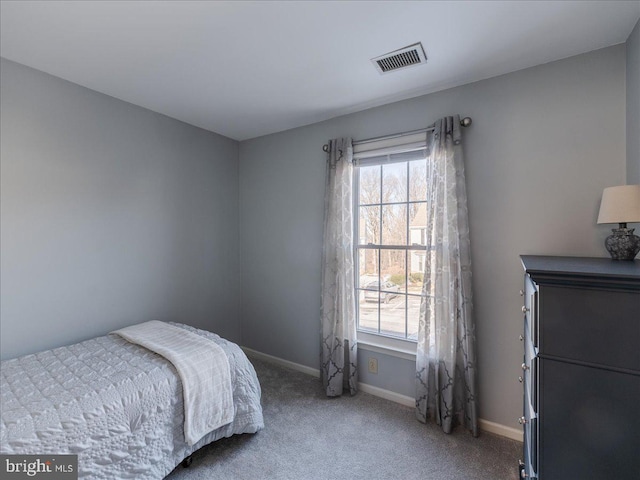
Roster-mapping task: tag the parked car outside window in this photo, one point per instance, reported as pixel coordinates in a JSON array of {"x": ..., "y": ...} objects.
[{"x": 373, "y": 293}]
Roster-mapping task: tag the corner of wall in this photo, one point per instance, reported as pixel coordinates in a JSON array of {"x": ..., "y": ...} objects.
[{"x": 633, "y": 105}]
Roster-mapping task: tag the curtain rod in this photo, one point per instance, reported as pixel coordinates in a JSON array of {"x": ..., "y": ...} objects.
[{"x": 465, "y": 122}]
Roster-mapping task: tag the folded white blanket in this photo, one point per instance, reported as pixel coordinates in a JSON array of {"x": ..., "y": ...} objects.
[{"x": 203, "y": 368}]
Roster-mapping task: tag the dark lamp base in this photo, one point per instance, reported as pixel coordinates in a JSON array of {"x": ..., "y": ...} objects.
[{"x": 623, "y": 244}]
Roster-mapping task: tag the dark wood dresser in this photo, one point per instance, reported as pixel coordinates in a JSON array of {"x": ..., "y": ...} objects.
[{"x": 581, "y": 369}]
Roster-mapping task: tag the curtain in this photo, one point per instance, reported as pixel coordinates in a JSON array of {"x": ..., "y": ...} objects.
[
  {"x": 445, "y": 362},
  {"x": 339, "y": 364}
]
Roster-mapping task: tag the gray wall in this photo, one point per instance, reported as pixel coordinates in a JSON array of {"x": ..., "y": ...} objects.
[
  {"x": 544, "y": 143},
  {"x": 633, "y": 106},
  {"x": 111, "y": 215}
]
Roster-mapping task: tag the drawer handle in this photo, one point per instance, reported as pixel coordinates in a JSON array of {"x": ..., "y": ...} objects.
[
  {"x": 522, "y": 293},
  {"x": 525, "y": 367},
  {"x": 520, "y": 379},
  {"x": 521, "y": 337},
  {"x": 521, "y": 467},
  {"x": 524, "y": 309},
  {"x": 522, "y": 420}
]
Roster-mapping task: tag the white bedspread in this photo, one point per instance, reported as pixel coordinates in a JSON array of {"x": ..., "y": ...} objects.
[
  {"x": 203, "y": 368},
  {"x": 115, "y": 404}
]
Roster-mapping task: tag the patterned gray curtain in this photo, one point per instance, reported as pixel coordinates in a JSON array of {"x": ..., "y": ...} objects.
[
  {"x": 445, "y": 363},
  {"x": 339, "y": 363}
]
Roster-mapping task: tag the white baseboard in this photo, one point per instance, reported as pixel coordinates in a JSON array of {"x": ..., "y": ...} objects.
[
  {"x": 387, "y": 394},
  {"x": 282, "y": 362},
  {"x": 499, "y": 429},
  {"x": 485, "y": 425}
]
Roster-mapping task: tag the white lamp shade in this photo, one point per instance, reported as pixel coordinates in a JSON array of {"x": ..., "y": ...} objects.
[{"x": 620, "y": 204}]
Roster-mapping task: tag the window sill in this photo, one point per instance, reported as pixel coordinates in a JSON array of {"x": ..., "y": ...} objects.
[{"x": 394, "y": 347}]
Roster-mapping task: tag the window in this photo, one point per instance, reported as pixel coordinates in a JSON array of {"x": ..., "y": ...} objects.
[{"x": 390, "y": 216}]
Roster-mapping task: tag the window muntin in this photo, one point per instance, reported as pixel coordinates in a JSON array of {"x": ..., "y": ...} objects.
[{"x": 390, "y": 242}]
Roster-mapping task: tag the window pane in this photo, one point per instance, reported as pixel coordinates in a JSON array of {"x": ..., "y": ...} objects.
[
  {"x": 392, "y": 315},
  {"x": 369, "y": 185},
  {"x": 394, "y": 225},
  {"x": 413, "y": 313},
  {"x": 368, "y": 266},
  {"x": 369, "y": 229},
  {"x": 368, "y": 310},
  {"x": 418, "y": 181},
  {"x": 393, "y": 271},
  {"x": 394, "y": 182},
  {"x": 416, "y": 271},
  {"x": 414, "y": 288},
  {"x": 417, "y": 223}
]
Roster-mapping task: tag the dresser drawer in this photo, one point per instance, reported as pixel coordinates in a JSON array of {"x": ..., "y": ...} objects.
[
  {"x": 600, "y": 327},
  {"x": 530, "y": 376},
  {"x": 531, "y": 449},
  {"x": 530, "y": 437},
  {"x": 588, "y": 423},
  {"x": 530, "y": 309}
]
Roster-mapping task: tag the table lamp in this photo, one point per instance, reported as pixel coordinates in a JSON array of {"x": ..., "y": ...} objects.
[{"x": 621, "y": 205}]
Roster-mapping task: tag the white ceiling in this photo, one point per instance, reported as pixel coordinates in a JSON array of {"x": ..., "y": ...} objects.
[{"x": 245, "y": 69}]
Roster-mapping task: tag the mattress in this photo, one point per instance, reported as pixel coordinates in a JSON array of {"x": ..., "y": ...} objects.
[{"x": 117, "y": 405}]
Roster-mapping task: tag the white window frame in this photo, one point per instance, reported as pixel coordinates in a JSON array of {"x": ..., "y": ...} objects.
[{"x": 362, "y": 151}]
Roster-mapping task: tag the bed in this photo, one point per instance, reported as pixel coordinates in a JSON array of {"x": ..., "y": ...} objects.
[{"x": 117, "y": 405}]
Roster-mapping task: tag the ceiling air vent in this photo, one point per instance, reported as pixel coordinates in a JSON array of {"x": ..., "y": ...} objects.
[{"x": 405, "y": 57}]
